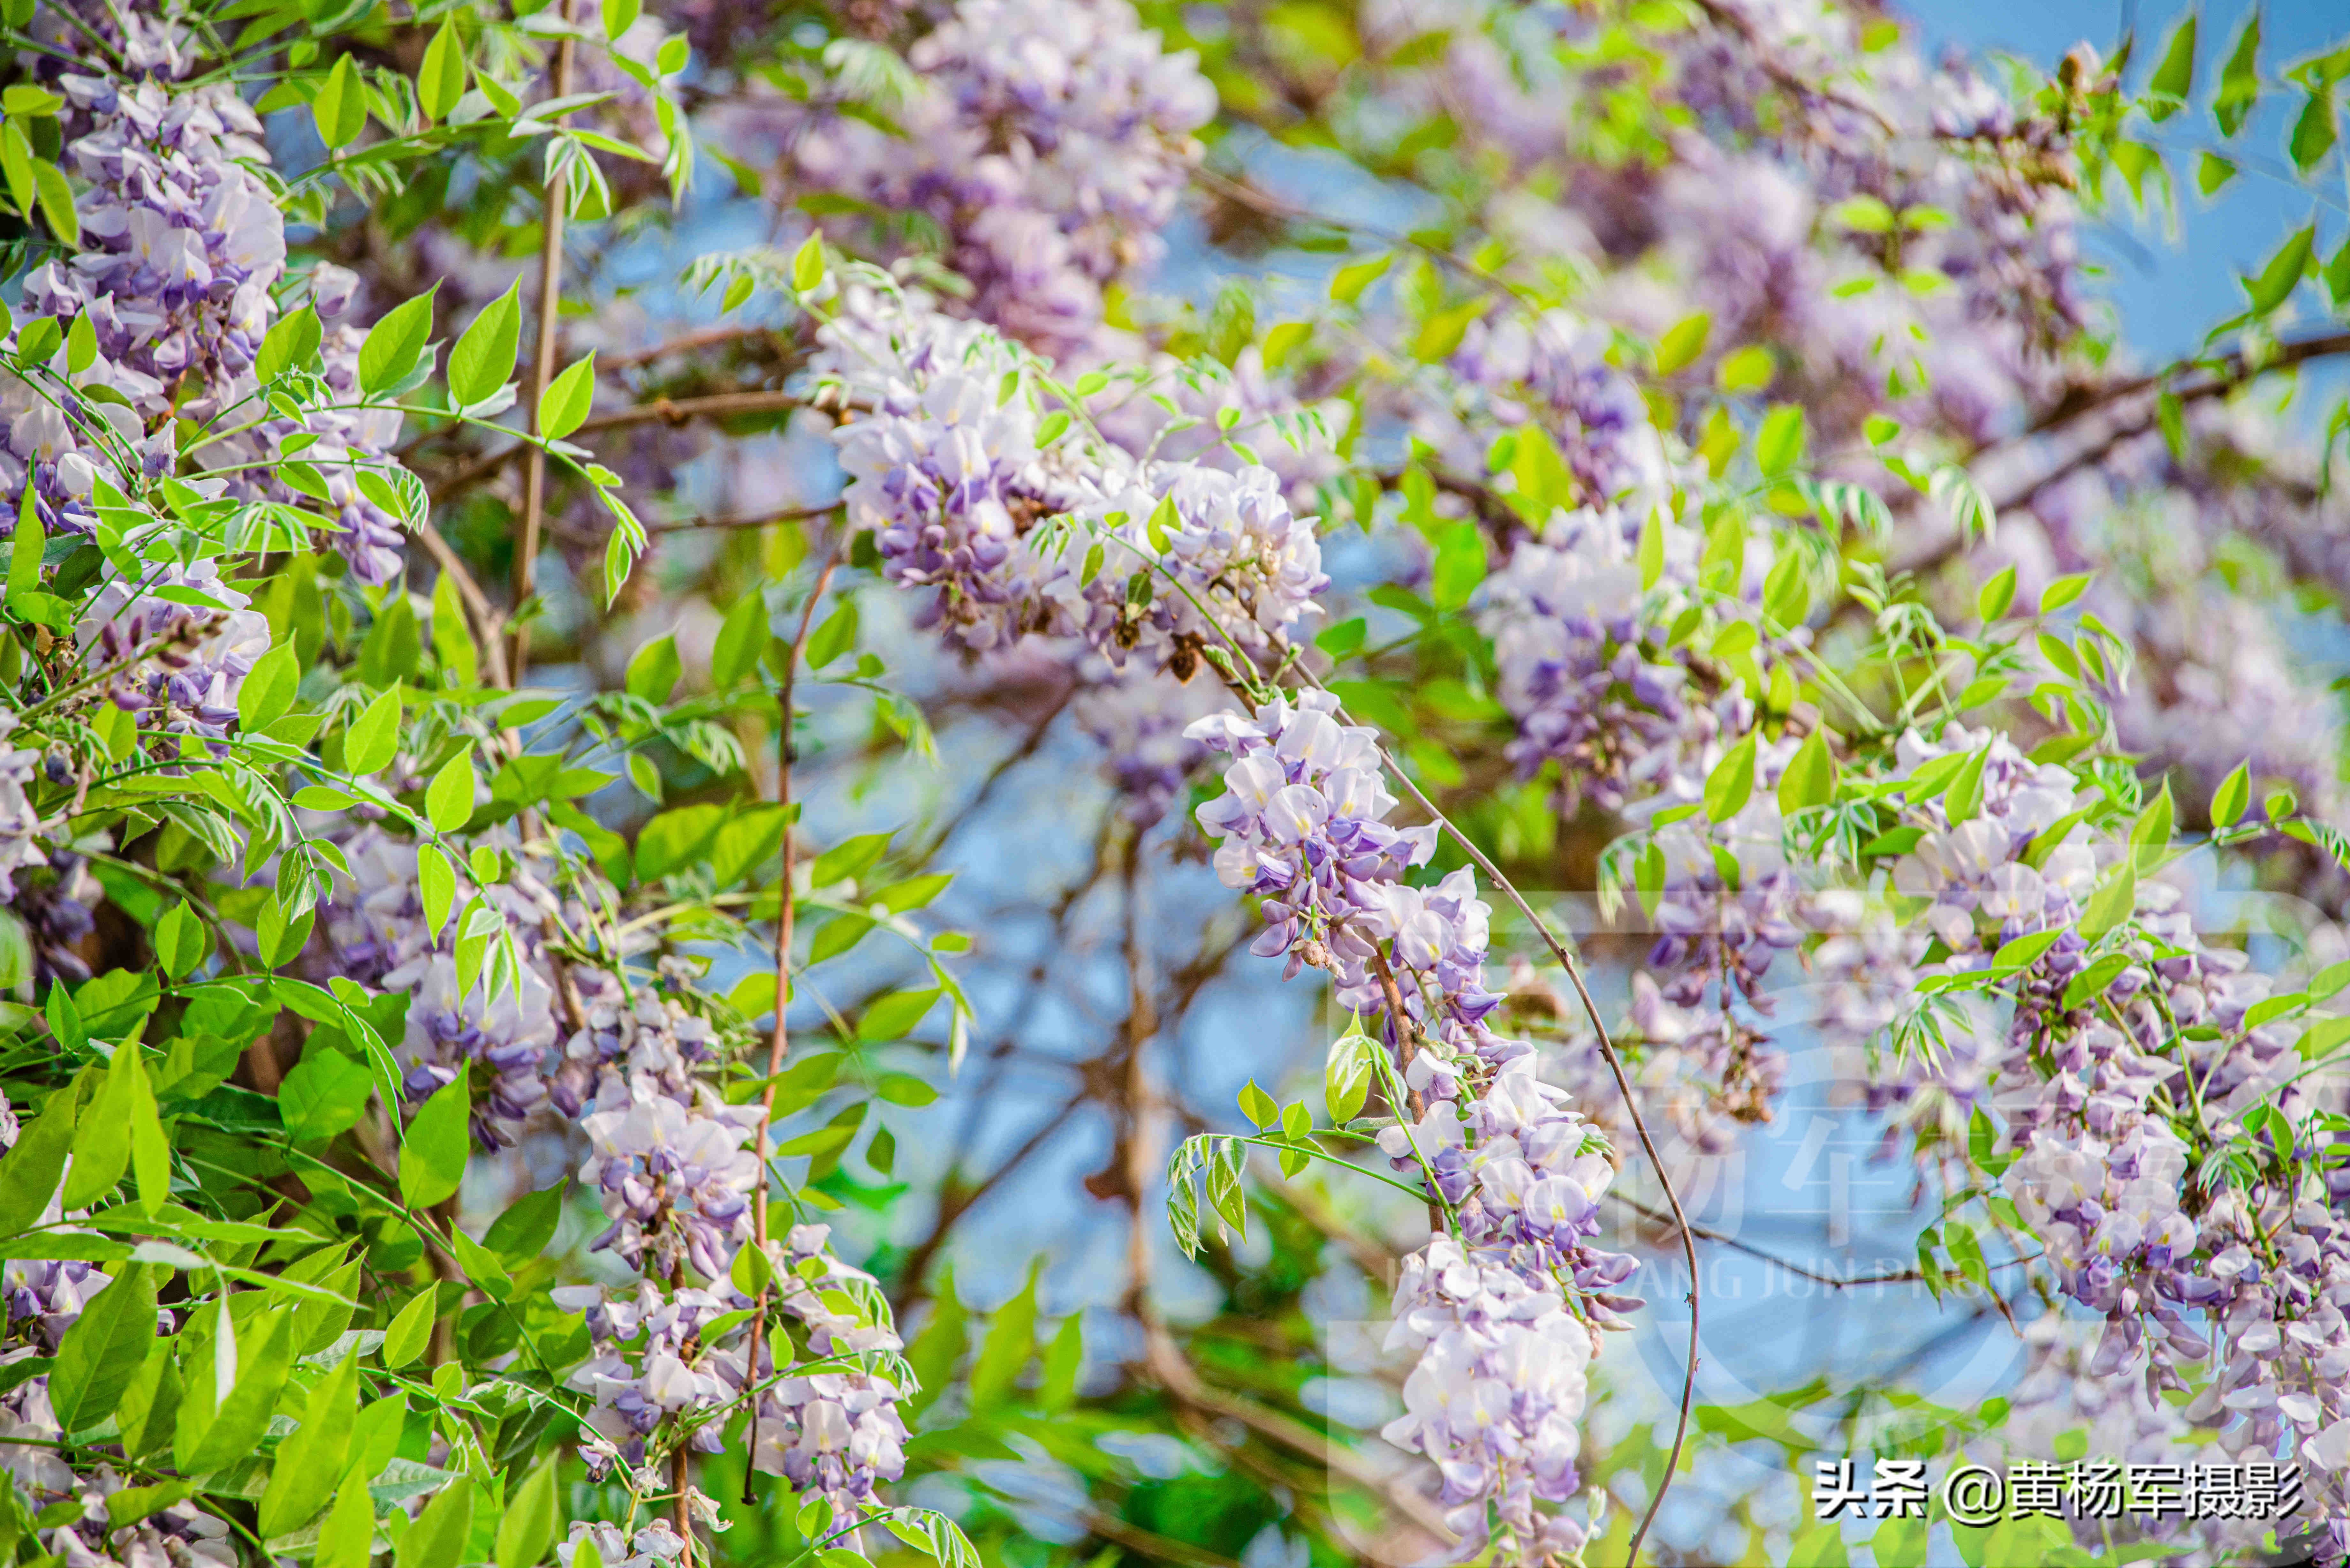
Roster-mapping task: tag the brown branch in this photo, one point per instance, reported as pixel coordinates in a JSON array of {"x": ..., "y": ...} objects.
[
  {"x": 764, "y": 520},
  {"x": 656, "y": 410},
  {"x": 488, "y": 623},
  {"x": 707, "y": 337},
  {"x": 779, "y": 1042},
  {"x": 542, "y": 371},
  {"x": 1162, "y": 1356},
  {"x": 954, "y": 1202}
]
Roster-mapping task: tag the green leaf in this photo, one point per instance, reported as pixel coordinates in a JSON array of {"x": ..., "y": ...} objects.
[
  {"x": 433, "y": 1155},
  {"x": 620, "y": 15},
  {"x": 1996, "y": 597},
  {"x": 2063, "y": 591},
  {"x": 268, "y": 689},
  {"x": 2240, "y": 78},
  {"x": 1779, "y": 444},
  {"x": 395, "y": 343},
  {"x": 808, "y": 264},
  {"x": 741, "y": 639},
  {"x": 1064, "y": 1358},
  {"x": 483, "y": 358},
  {"x": 1347, "y": 284},
  {"x": 528, "y": 1529},
  {"x": 1346, "y": 1074},
  {"x": 302, "y": 1477},
  {"x": 104, "y": 1349},
  {"x": 894, "y": 1016},
  {"x": 835, "y": 636},
  {"x": 340, "y": 108},
  {"x": 1964, "y": 796},
  {"x": 290, "y": 344},
  {"x": 2315, "y": 133},
  {"x": 655, "y": 669},
  {"x": 30, "y": 1172},
  {"x": 405, "y": 1338},
  {"x": 210, "y": 1440},
  {"x": 179, "y": 941},
  {"x": 373, "y": 738},
  {"x": 1260, "y": 1109},
  {"x": 2173, "y": 77},
  {"x": 1810, "y": 778},
  {"x": 1683, "y": 342},
  {"x": 2111, "y": 904},
  {"x": 679, "y": 838},
  {"x": 325, "y": 1095},
  {"x": 1732, "y": 783},
  {"x": 1011, "y": 1341},
  {"x": 449, "y": 798},
  {"x": 57, "y": 200},
  {"x": 1747, "y": 369},
  {"x": 2283, "y": 272},
  {"x": 2234, "y": 793},
  {"x": 347, "y": 1539},
  {"x": 562, "y": 406},
  {"x": 442, "y": 80},
  {"x": 523, "y": 1231},
  {"x": 25, "y": 551},
  {"x": 101, "y": 1150},
  {"x": 437, "y": 1539}
]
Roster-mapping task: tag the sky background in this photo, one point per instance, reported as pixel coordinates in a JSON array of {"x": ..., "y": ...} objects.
[{"x": 2170, "y": 292}]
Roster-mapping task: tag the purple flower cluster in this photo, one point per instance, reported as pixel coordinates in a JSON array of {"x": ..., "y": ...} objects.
[
  {"x": 1048, "y": 139},
  {"x": 944, "y": 465},
  {"x": 637, "y": 1386},
  {"x": 835, "y": 1428},
  {"x": 177, "y": 665},
  {"x": 675, "y": 1182},
  {"x": 1505, "y": 1314},
  {"x": 1494, "y": 1399}
]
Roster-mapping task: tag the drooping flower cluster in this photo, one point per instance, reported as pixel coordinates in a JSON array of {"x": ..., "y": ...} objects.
[
  {"x": 1173, "y": 560},
  {"x": 834, "y": 1428},
  {"x": 174, "y": 648},
  {"x": 636, "y": 1386},
  {"x": 1500, "y": 1382},
  {"x": 1048, "y": 139}
]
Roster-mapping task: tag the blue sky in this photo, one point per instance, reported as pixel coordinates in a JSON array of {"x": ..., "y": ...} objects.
[{"x": 2170, "y": 292}]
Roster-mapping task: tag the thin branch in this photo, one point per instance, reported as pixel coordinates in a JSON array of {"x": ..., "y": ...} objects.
[
  {"x": 764, "y": 520},
  {"x": 542, "y": 371},
  {"x": 779, "y": 1042},
  {"x": 1833, "y": 1282},
  {"x": 488, "y": 623},
  {"x": 706, "y": 337},
  {"x": 658, "y": 411}
]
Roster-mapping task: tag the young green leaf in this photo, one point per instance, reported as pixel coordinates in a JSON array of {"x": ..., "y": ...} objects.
[
  {"x": 442, "y": 80},
  {"x": 374, "y": 739},
  {"x": 484, "y": 357},
  {"x": 654, "y": 671},
  {"x": 310, "y": 1460},
  {"x": 528, "y": 1526},
  {"x": 449, "y": 798},
  {"x": 340, "y": 108},
  {"x": 103, "y": 1349},
  {"x": 405, "y": 1337},
  {"x": 179, "y": 941},
  {"x": 1810, "y": 778},
  {"x": 434, "y": 1153},
  {"x": 2234, "y": 793},
  {"x": 562, "y": 406},
  {"x": 1732, "y": 783},
  {"x": 394, "y": 343}
]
